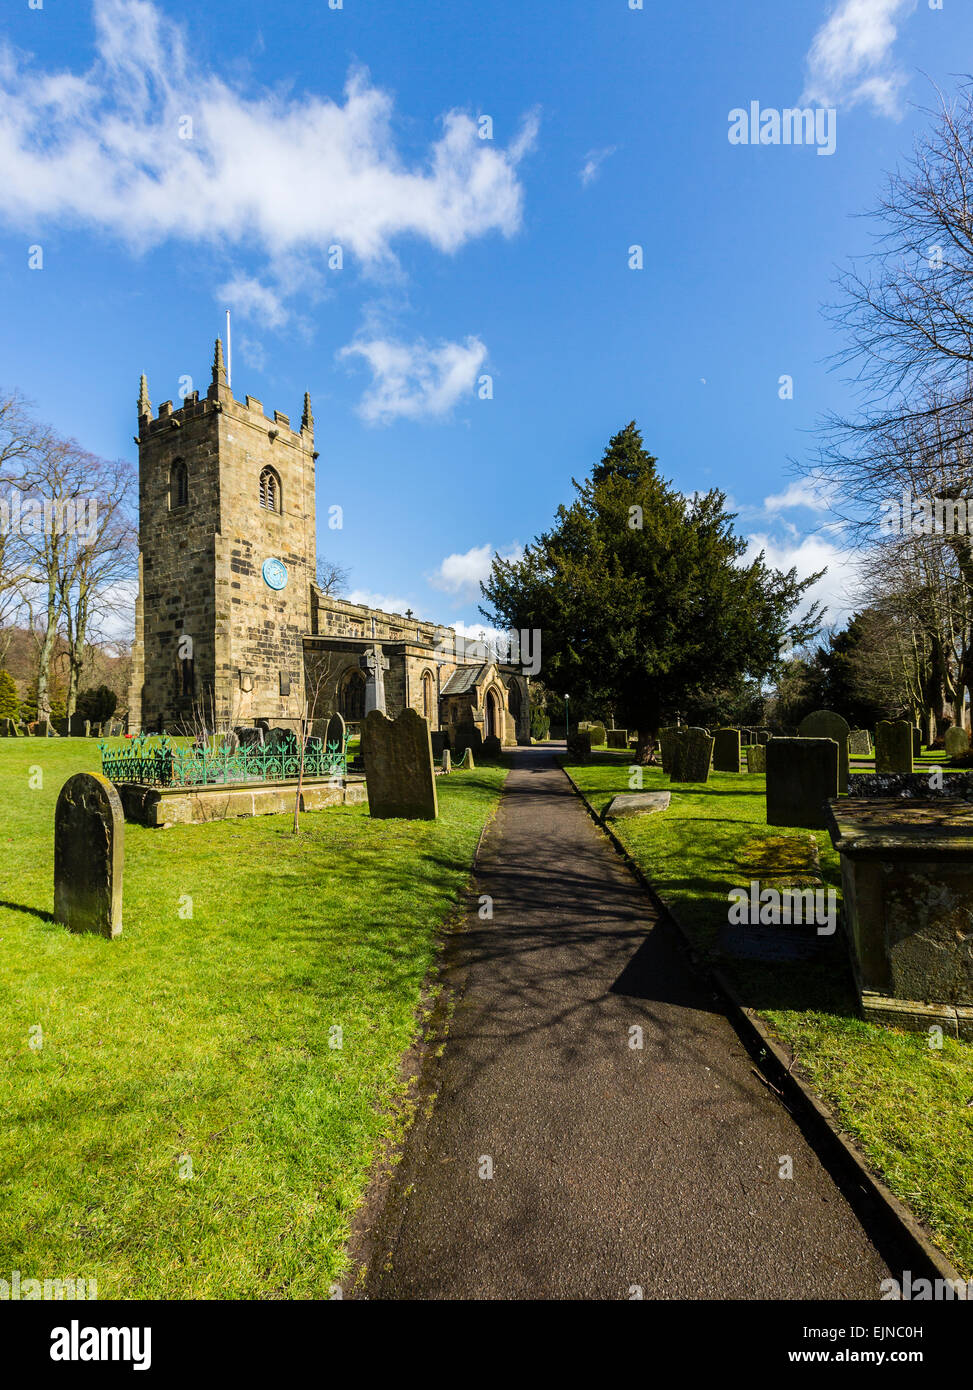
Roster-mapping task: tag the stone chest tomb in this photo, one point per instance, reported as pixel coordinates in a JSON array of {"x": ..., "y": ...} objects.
[{"x": 907, "y": 884}]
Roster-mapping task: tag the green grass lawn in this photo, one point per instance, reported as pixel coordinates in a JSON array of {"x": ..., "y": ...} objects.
[
  {"x": 908, "y": 1106},
  {"x": 202, "y": 1040}
]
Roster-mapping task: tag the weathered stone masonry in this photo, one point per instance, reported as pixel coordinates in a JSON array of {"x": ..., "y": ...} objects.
[{"x": 225, "y": 491}]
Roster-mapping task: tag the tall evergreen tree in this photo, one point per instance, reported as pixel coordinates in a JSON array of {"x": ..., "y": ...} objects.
[
  {"x": 9, "y": 699},
  {"x": 641, "y": 596}
]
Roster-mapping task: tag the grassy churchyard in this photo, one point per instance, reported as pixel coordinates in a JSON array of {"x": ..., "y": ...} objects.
[
  {"x": 191, "y": 1110},
  {"x": 908, "y": 1106}
]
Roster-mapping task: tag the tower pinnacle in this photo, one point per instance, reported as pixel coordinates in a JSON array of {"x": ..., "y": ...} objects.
[
  {"x": 307, "y": 419},
  {"x": 219, "y": 367},
  {"x": 145, "y": 405}
]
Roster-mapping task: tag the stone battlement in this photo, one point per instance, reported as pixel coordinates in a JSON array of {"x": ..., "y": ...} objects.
[{"x": 220, "y": 398}]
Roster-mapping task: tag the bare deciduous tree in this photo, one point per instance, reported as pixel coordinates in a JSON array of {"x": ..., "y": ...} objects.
[
  {"x": 102, "y": 562},
  {"x": 332, "y": 578}
]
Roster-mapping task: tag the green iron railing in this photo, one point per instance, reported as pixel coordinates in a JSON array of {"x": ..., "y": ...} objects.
[{"x": 154, "y": 761}]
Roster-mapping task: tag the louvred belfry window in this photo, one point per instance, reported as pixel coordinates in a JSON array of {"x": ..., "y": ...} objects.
[
  {"x": 178, "y": 485},
  {"x": 270, "y": 490}
]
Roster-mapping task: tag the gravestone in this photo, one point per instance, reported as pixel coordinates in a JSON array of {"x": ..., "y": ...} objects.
[
  {"x": 893, "y": 746},
  {"x": 491, "y": 746},
  {"x": 231, "y": 742},
  {"x": 87, "y": 728},
  {"x": 466, "y": 763},
  {"x": 772, "y": 945},
  {"x": 447, "y": 760},
  {"x": 6, "y": 728},
  {"x": 637, "y": 804},
  {"x": 692, "y": 756},
  {"x": 746, "y": 738},
  {"x": 89, "y": 855},
  {"x": 618, "y": 738},
  {"x": 726, "y": 750},
  {"x": 334, "y": 735},
  {"x": 802, "y": 777},
  {"x": 42, "y": 729},
  {"x": 763, "y": 735},
  {"x": 375, "y": 664},
  {"x": 399, "y": 776},
  {"x": 916, "y": 741},
  {"x": 860, "y": 741},
  {"x": 757, "y": 757},
  {"x": 667, "y": 746},
  {"x": 440, "y": 742},
  {"x": 907, "y": 881},
  {"x": 579, "y": 745},
  {"x": 824, "y": 723},
  {"x": 957, "y": 742},
  {"x": 249, "y": 737}
]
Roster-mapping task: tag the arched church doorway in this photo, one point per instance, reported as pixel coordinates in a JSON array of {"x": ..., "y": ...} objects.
[
  {"x": 351, "y": 697},
  {"x": 494, "y": 711}
]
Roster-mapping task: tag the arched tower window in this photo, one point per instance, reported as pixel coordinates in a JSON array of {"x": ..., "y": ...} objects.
[
  {"x": 429, "y": 698},
  {"x": 178, "y": 485},
  {"x": 270, "y": 490}
]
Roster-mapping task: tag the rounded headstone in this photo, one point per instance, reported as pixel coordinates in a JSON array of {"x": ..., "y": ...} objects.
[
  {"x": 89, "y": 855},
  {"x": 336, "y": 733},
  {"x": 824, "y": 723},
  {"x": 957, "y": 742},
  {"x": 893, "y": 746}
]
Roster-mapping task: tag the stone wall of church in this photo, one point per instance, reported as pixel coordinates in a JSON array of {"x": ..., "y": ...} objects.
[
  {"x": 177, "y": 564},
  {"x": 335, "y": 617},
  {"x": 202, "y": 558},
  {"x": 260, "y": 629}
]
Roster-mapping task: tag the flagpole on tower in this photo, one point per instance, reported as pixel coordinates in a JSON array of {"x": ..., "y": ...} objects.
[{"x": 229, "y": 353}]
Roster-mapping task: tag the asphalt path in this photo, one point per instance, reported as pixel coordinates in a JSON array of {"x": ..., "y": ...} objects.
[{"x": 561, "y": 1160}]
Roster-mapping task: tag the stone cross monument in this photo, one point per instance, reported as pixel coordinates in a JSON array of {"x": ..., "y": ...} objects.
[{"x": 376, "y": 665}]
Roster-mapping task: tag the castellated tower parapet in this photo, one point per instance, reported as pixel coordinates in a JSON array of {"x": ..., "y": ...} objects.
[{"x": 227, "y": 559}]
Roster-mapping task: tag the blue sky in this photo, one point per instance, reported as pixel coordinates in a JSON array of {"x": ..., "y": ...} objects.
[{"x": 463, "y": 257}]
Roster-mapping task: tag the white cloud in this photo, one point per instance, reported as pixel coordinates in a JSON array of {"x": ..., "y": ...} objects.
[
  {"x": 817, "y": 497},
  {"x": 461, "y": 574},
  {"x": 593, "y": 161},
  {"x": 808, "y": 554},
  {"x": 252, "y": 300},
  {"x": 252, "y": 351},
  {"x": 850, "y": 60},
  {"x": 386, "y": 603},
  {"x": 413, "y": 381},
  {"x": 495, "y": 643},
  {"x": 107, "y": 148}
]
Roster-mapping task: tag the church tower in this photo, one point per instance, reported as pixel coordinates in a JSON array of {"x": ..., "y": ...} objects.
[{"x": 226, "y": 561}]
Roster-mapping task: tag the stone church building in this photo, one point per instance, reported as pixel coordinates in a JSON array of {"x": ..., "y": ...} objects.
[{"x": 231, "y": 627}]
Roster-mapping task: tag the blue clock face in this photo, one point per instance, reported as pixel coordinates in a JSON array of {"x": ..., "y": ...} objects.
[{"x": 275, "y": 573}]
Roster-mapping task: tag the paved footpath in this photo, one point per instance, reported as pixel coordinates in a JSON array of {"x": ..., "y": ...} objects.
[{"x": 612, "y": 1167}]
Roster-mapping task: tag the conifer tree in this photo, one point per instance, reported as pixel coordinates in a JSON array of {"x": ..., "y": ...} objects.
[{"x": 642, "y": 598}]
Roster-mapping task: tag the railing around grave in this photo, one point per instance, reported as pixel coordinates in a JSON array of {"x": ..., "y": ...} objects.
[{"x": 155, "y": 761}]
